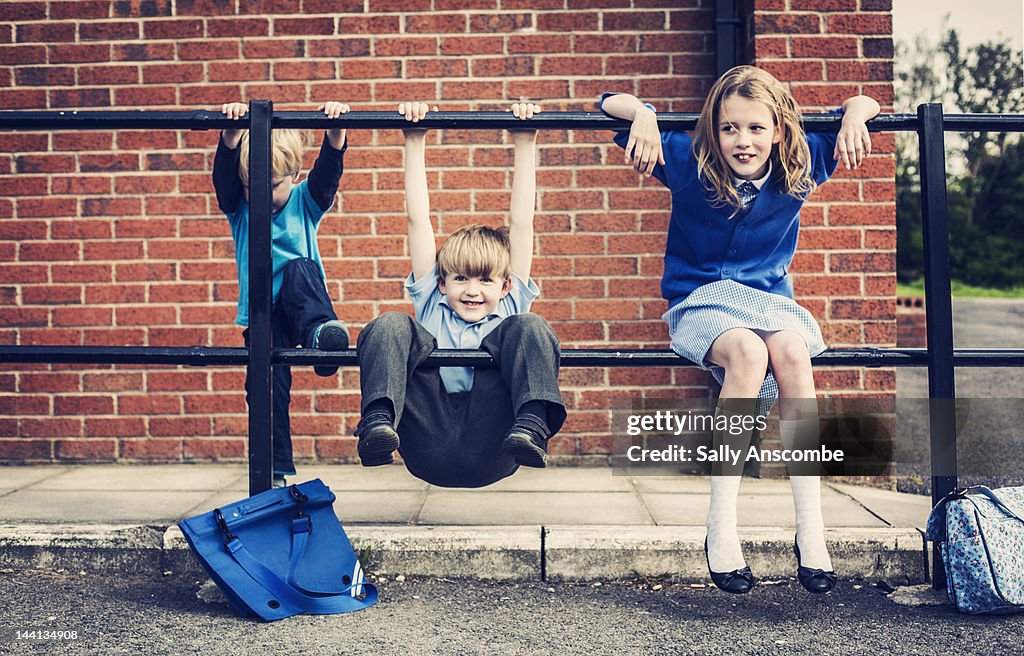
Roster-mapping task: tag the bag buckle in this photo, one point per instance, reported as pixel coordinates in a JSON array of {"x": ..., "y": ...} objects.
[
  {"x": 300, "y": 499},
  {"x": 962, "y": 492},
  {"x": 223, "y": 524}
]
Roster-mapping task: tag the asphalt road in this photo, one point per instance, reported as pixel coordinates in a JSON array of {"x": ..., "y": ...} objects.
[
  {"x": 978, "y": 323},
  {"x": 436, "y": 616},
  {"x": 990, "y": 403}
]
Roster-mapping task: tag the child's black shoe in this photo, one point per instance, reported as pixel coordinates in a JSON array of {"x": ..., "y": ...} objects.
[
  {"x": 329, "y": 336},
  {"x": 377, "y": 439},
  {"x": 527, "y": 441}
]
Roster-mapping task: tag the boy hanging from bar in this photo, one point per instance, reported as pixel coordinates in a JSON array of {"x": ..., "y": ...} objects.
[
  {"x": 302, "y": 311},
  {"x": 456, "y": 426}
]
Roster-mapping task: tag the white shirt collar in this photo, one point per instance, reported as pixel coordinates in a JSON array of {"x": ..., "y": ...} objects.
[{"x": 757, "y": 183}]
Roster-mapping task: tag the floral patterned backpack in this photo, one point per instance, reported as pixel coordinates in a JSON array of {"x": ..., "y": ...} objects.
[{"x": 981, "y": 536}]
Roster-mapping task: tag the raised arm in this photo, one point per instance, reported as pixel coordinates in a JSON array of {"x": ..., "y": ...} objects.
[
  {"x": 335, "y": 136},
  {"x": 330, "y": 163},
  {"x": 853, "y": 143},
  {"x": 524, "y": 193},
  {"x": 644, "y": 148},
  {"x": 417, "y": 199},
  {"x": 226, "y": 183}
]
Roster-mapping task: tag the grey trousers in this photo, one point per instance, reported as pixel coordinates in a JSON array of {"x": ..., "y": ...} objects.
[{"x": 455, "y": 440}]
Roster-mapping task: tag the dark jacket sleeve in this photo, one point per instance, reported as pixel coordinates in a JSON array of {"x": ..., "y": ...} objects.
[
  {"x": 326, "y": 174},
  {"x": 226, "y": 182}
]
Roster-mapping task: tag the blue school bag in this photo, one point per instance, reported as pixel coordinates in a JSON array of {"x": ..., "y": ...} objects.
[
  {"x": 981, "y": 536},
  {"x": 280, "y": 553}
]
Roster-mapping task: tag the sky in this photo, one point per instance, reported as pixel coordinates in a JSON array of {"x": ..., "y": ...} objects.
[{"x": 976, "y": 21}]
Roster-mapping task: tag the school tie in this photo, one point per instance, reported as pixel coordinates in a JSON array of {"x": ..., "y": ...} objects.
[{"x": 748, "y": 193}]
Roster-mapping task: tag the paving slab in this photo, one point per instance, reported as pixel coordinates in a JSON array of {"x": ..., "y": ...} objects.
[
  {"x": 12, "y": 477},
  {"x": 758, "y": 510},
  {"x": 686, "y": 484},
  {"x": 343, "y": 478},
  {"x": 526, "y": 479},
  {"x": 370, "y": 507},
  {"x": 467, "y": 508},
  {"x": 562, "y": 479},
  {"x": 896, "y": 508},
  {"x": 97, "y": 506},
  {"x": 179, "y": 477}
]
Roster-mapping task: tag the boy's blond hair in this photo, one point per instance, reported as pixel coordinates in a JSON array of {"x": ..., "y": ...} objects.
[
  {"x": 475, "y": 251},
  {"x": 791, "y": 158},
  {"x": 287, "y": 147}
]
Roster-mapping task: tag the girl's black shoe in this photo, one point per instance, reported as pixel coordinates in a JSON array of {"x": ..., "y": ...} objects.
[
  {"x": 813, "y": 580},
  {"x": 738, "y": 581}
]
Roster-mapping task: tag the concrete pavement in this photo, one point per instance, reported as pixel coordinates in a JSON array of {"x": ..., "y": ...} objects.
[{"x": 554, "y": 524}]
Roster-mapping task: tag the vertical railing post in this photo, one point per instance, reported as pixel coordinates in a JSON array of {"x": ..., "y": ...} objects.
[
  {"x": 260, "y": 345},
  {"x": 938, "y": 311},
  {"x": 727, "y": 32}
]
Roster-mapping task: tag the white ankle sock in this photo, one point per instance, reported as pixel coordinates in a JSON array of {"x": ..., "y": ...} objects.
[
  {"x": 724, "y": 551},
  {"x": 810, "y": 526}
]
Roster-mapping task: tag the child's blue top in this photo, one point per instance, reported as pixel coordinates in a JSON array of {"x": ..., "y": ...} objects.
[
  {"x": 704, "y": 245},
  {"x": 452, "y": 331},
  {"x": 293, "y": 228}
]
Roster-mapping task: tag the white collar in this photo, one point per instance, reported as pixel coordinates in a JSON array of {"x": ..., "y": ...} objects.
[{"x": 757, "y": 183}]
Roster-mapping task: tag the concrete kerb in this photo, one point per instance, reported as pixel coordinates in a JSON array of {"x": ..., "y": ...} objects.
[
  {"x": 86, "y": 547},
  {"x": 579, "y": 553},
  {"x": 555, "y": 553}
]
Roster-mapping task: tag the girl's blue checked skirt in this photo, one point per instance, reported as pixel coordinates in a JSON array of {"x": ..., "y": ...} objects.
[{"x": 716, "y": 307}]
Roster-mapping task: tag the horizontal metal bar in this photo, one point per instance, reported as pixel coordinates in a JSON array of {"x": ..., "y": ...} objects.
[
  {"x": 193, "y": 355},
  {"x": 547, "y": 121},
  {"x": 983, "y": 123},
  {"x": 208, "y": 356},
  {"x": 199, "y": 119},
  {"x": 213, "y": 120}
]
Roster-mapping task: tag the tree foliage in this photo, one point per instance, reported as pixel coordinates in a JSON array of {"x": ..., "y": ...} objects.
[{"x": 985, "y": 170}]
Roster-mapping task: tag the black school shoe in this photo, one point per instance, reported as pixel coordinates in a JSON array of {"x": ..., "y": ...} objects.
[
  {"x": 378, "y": 439},
  {"x": 815, "y": 581},
  {"x": 330, "y": 336},
  {"x": 527, "y": 441},
  {"x": 738, "y": 581}
]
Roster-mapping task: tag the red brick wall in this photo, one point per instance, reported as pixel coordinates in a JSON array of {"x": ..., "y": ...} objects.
[
  {"x": 114, "y": 238},
  {"x": 845, "y": 268}
]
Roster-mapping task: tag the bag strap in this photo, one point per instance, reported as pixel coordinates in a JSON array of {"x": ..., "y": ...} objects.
[
  {"x": 302, "y": 526},
  {"x": 288, "y": 591},
  {"x": 994, "y": 498},
  {"x": 341, "y": 602}
]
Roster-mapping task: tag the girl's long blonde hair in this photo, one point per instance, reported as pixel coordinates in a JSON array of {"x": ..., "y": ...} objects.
[{"x": 791, "y": 158}]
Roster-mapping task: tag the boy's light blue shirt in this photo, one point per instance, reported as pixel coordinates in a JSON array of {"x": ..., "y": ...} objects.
[
  {"x": 292, "y": 234},
  {"x": 452, "y": 331}
]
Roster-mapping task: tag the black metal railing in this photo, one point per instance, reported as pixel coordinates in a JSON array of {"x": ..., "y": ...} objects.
[{"x": 940, "y": 357}]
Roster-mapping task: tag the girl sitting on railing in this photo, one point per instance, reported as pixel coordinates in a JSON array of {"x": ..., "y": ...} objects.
[{"x": 737, "y": 188}]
